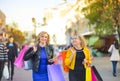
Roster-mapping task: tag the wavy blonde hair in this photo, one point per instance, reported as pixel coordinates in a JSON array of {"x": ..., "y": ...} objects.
[
  {"x": 42, "y": 33},
  {"x": 82, "y": 39}
]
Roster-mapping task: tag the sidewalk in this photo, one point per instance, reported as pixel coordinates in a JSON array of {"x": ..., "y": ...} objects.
[{"x": 104, "y": 66}]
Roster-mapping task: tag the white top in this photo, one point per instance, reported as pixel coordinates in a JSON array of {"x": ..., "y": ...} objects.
[{"x": 115, "y": 56}]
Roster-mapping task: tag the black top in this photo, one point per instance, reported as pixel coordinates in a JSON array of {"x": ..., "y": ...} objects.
[
  {"x": 78, "y": 74},
  {"x": 80, "y": 56}
]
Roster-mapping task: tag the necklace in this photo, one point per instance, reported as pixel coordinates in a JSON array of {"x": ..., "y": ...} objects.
[{"x": 79, "y": 50}]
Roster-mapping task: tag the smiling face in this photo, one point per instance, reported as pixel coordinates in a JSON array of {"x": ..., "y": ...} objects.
[
  {"x": 78, "y": 41},
  {"x": 43, "y": 38},
  {"x": 75, "y": 41}
]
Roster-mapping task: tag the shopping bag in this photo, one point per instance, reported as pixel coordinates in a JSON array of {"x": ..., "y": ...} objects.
[
  {"x": 65, "y": 68},
  {"x": 19, "y": 62},
  {"x": 5, "y": 72},
  {"x": 88, "y": 74},
  {"x": 55, "y": 73},
  {"x": 93, "y": 75},
  {"x": 28, "y": 64},
  {"x": 98, "y": 76}
]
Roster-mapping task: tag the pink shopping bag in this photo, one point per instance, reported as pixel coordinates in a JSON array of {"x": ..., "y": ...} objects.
[
  {"x": 55, "y": 73},
  {"x": 19, "y": 62},
  {"x": 93, "y": 76},
  {"x": 97, "y": 74}
]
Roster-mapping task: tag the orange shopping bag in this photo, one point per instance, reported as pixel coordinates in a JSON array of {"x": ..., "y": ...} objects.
[{"x": 63, "y": 53}]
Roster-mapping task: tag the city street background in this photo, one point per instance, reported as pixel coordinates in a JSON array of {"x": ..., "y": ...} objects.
[
  {"x": 96, "y": 20},
  {"x": 102, "y": 64}
]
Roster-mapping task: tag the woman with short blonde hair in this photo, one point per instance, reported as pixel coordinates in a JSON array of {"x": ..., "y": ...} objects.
[
  {"x": 41, "y": 56},
  {"x": 41, "y": 34},
  {"x": 77, "y": 58}
]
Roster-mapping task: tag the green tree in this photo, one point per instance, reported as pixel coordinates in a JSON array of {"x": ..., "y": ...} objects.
[
  {"x": 105, "y": 15},
  {"x": 16, "y": 33}
]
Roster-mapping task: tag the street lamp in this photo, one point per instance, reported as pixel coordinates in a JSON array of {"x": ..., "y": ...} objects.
[{"x": 34, "y": 24}]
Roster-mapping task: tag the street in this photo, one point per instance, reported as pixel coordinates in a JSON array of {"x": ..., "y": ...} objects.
[{"x": 102, "y": 64}]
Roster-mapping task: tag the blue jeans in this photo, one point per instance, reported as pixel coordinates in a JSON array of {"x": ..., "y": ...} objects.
[{"x": 114, "y": 64}]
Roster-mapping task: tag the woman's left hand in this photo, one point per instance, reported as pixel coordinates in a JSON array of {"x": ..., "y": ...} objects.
[
  {"x": 51, "y": 60},
  {"x": 85, "y": 61}
]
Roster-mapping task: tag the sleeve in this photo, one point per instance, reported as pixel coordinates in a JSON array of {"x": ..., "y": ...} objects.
[
  {"x": 110, "y": 49},
  {"x": 52, "y": 51},
  {"x": 5, "y": 53},
  {"x": 16, "y": 50},
  {"x": 88, "y": 55},
  {"x": 28, "y": 54}
]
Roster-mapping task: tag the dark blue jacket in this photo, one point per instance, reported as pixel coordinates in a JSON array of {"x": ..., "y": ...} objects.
[{"x": 13, "y": 50}]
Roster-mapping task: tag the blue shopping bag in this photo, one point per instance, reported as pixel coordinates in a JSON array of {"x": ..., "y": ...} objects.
[
  {"x": 55, "y": 73},
  {"x": 28, "y": 64}
]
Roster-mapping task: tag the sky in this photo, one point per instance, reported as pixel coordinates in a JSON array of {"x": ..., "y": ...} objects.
[{"x": 22, "y": 11}]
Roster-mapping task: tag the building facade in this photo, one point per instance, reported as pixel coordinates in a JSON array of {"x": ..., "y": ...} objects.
[
  {"x": 2, "y": 21},
  {"x": 67, "y": 19}
]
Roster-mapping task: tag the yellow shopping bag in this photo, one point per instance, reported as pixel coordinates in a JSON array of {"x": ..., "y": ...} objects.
[{"x": 88, "y": 74}]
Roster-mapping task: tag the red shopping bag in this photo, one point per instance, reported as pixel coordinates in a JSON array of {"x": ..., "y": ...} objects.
[
  {"x": 65, "y": 68},
  {"x": 55, "y": 73}
]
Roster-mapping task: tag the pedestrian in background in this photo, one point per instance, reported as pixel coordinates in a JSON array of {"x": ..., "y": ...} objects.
[
  {"x": 3, "y": 55},
  {"x": 41, "y": 56},
  {"x": 77, "y": 58},
  {"x": 114, "y": 57},
  {"x": 12, "y": 54}
]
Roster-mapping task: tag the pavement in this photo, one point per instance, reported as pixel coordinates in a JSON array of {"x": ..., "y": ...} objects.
[
  {"x": 104, "y": 67},
  {"x": 102, "y": 64}
]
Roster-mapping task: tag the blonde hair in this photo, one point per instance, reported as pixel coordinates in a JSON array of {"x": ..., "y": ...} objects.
[
  {"x": 82, "y": 39},
  {"x": 42, "y": 33},
  {"x": 83, "y": 42}
]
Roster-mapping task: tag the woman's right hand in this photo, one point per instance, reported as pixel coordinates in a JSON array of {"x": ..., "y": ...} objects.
[
  {"x": 51, "y": 60},
  {"x": 34, "y": 48},
  {"x": 73, "y": 52}
]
